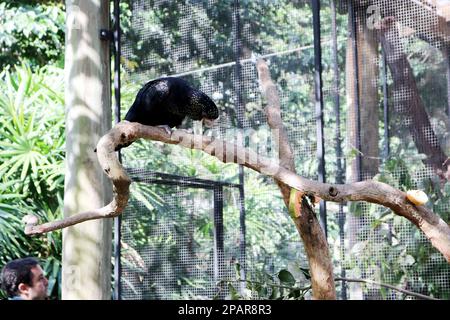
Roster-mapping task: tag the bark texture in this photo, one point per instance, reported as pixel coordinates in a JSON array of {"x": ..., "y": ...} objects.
[
  {"x": 434, "y": 228},
  {"x": 306, "y": 222}
]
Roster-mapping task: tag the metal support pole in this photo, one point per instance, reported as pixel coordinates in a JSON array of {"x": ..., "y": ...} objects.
[
  {"x": 353, "y": 30},
  {"x": 240, "y": 111},
  {"x": 117, "y": 220},
  {"x": 447, "y": 51},
  {"x": 242, "y": 231},
  {"x": 319, "y": 106},
  {"x": 218, "y": 234},
  {"x": 339, "y": 167},
  {"x": 387, "y": 150}
]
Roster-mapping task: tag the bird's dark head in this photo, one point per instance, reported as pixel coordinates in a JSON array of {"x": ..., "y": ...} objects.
[
  {"x": 209, "y": 110},
  {"x": 203, "y": 107}
]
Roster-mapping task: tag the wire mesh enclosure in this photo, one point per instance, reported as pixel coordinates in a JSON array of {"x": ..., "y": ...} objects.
[
  {"x": 369, "y": 102},
  {"x": 169, "y": 256}
]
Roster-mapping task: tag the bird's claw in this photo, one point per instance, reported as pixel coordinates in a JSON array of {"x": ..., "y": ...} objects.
[{"x": 166, "y": 129}]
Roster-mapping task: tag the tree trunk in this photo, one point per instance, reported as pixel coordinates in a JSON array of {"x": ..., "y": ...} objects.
[{"x": 86, "y": 269}]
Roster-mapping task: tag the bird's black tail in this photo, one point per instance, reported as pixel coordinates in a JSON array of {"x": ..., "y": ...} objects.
[{"x": 133, "y": 111}]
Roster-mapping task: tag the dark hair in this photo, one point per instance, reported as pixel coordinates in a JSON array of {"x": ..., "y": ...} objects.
[{"x": 16, "y": 272}]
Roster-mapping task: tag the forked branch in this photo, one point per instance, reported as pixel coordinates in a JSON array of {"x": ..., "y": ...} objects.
[{"x": 435, "y": 229}]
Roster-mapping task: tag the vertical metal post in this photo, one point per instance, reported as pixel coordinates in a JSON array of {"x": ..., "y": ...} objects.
[
  {"x": 385, "y": 108},
  {"x": 240, "y": 111},
  {"x": 117, "y": 220},
  {"x": 319, "y": 106},
  {"x": 238, "y": 67},
  {"x": 448, "y": 80},
  {"x": 387, "y": 148},
  {"x": 242, "y": 229},
  {"x": 218, "y": 233},
  {"x": 353, "y": 31},
  {"x": 339, "y": 167}
]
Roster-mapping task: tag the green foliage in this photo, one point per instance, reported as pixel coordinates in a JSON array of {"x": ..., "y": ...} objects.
[
  {"x": 32, "y": 148},
  {"x": 31, "y": 164},
  {"x": 280, "y": 286},
  {"x": 32, "y": 141},
  {"x": 31, "y": 32},
  {"x": 286, "y": 277},
  {"x": 395, "y": 251}
]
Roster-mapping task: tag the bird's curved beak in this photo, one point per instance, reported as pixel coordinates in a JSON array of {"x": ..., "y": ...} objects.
[{"x": 209, "y": 123}]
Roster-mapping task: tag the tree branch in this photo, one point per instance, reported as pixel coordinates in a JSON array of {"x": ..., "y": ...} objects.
[
  {"x": 312, "y": 235},
  {"x": 121, "y": 189},
  {"x": 435, "y": 229},
  {"x": 407, "y": 292}
]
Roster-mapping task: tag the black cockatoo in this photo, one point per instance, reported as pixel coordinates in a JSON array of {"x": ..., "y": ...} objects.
[{"x": 167, "y": 101}]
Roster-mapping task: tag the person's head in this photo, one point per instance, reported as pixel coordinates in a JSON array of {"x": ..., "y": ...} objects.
[{"x": 24, "y": 278}]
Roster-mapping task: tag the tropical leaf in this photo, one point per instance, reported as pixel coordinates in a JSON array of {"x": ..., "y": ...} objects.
[{"x": 31, "y": 164}]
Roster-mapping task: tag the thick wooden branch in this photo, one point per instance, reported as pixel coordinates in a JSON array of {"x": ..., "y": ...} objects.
[
  {"x": 435, "y": 229},
  {"x": 121, "y": 183},
  {"x": 313, "y": 237},
  {"x": 273, "y": 113}
]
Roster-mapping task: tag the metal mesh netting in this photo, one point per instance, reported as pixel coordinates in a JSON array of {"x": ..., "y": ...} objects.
[
  {"x": 204, "y": 52},
  {"x": 172, "y": 243},
  {"x": 397, "y": 125},
  {"x": 167, "y": 243}
]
